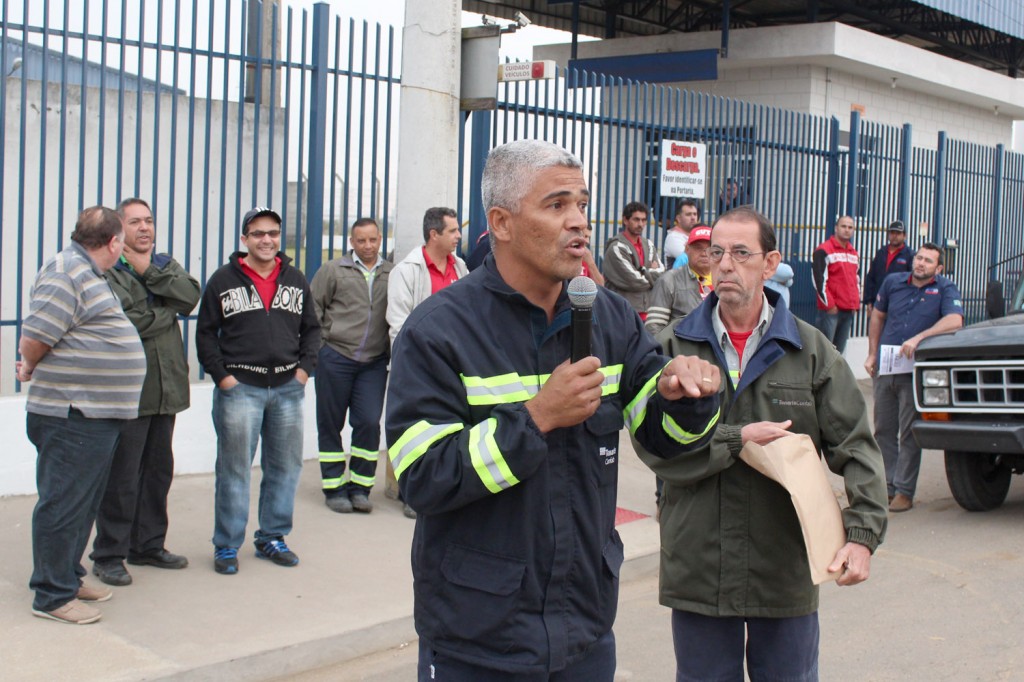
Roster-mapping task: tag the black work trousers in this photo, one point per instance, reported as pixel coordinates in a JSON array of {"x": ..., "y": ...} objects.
[{"x": 133, "y": 513}]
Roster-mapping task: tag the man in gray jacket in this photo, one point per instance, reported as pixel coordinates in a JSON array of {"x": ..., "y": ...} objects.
[
  {"x": 351, "y": 297},
  {"x": 678, "y": 292},
  {"x": 631, "y": 261}
]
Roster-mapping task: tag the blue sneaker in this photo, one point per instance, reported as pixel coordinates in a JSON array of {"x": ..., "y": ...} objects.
[
  {"x": 276, "y": 551},
  {"x": 225, "y": 560}
]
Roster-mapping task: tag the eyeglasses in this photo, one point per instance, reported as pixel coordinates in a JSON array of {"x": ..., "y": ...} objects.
[
  {"x": 739, "y": 255},
  {"x": 260, "y": 234}
]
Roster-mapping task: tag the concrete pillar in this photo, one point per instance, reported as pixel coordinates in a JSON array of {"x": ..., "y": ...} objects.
[
  {"x": 264, "y": 26},
  {"x": 428, "y": 137}
]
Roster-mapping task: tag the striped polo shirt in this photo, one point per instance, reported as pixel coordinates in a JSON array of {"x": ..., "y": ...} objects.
[{"x": 96, "y": 363}]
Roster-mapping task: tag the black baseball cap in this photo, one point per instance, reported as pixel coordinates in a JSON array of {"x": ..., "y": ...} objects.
[
  {"x": 897, "y": 226},
  {"x": 258, "y": 212}
]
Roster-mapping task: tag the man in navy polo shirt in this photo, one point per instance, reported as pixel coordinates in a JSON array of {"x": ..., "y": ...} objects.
[{"x": 907, "y": 310}]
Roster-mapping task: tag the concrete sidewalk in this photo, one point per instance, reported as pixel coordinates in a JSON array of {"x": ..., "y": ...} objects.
[{"x": 351, "y": 594}]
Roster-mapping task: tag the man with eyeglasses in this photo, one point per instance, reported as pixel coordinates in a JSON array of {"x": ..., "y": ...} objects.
[
  {"x": 835, "y": 268},
  {"x": 733, "y": 562},
  {"x": 680, "y": 291},
  {"x": 258, "y": 338}
]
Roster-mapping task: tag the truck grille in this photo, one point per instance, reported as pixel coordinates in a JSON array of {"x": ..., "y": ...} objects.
[{"x": 987, "y": 386}]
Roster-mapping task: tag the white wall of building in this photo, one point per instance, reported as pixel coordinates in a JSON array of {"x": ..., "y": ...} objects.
[
  {"x": 21, "y": 237},
  {"x": 195, "y": 442}
]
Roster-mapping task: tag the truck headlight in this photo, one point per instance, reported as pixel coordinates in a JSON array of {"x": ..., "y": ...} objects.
[
  {"x": 936, "y": 396},
  {"x": 935, "y": 377}
]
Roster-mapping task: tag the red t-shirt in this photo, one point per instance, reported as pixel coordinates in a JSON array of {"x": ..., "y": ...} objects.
[
  {"x": 639, "y": 246},
  {"x": 439, "y": 280},
  {"x": 739, "y": 341},
  {"x": 266, "y": 287}
]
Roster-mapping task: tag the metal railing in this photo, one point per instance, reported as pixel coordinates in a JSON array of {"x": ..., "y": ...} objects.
[{"x": 202, "y": 109}]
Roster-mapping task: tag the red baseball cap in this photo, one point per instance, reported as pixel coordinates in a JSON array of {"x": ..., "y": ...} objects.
[{"x": 701, "y": 233}]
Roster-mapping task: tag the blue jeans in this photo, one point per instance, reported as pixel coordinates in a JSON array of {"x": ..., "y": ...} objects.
[
  {"x": 597, "y": 665},
  {"x": 894, "y": 416},
  {"x": 710, "y": 648},
  {"x": 343, "y": 384},
  {"x": 836, "y": 327},
  {"x": 71, "y": 472},
  {"x": 243, "y": 415}
]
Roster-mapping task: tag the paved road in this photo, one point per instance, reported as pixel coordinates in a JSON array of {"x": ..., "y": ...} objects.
[{"x": 944, "y": 602}]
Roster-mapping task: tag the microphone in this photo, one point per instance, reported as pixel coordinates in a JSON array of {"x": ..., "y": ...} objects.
[{"x": 582, "y": 292}]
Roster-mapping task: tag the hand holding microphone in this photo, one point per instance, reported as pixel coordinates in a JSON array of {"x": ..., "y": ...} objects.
[{"x": 573, "y": 391}]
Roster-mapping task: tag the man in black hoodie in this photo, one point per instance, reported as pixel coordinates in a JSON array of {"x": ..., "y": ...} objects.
[{"x": 257, "y": 337}]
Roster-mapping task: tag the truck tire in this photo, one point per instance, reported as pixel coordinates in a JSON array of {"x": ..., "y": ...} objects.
[{"x": 977, "y": 482}]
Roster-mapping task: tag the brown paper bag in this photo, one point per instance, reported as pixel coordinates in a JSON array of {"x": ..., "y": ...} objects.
[{"x": 793, "y": 462}]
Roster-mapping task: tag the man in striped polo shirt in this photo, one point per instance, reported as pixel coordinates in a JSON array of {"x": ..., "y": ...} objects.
[{"x": 86, "y": 364}]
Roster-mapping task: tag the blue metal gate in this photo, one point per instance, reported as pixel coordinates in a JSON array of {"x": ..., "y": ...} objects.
[
  {"x": 202, "y": 109},
  {"x": 798, "y": 169}
]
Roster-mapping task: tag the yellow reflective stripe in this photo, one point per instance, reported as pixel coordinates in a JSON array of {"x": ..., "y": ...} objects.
[
  {"x": 368, "y": 455},
  {"x": 487, "y": 459},
  {"x": 505, "y": 388},
  {"x": 673, "y": 429},
  {"x": 365, "y": 481},
  {"x": 415, "y": 441},
  {"x": 612, "y": 379},
  {"x": 734, "y": 375},
  {"x": 332, "y": 456},
  {"x": 637, "y": 407},
  {"x": 331, "y": 483},
  {"x": 517, "y": 388}
]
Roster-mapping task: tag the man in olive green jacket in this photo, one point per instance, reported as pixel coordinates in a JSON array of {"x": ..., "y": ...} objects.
[
  {"x": 734, "y": 567},
  {"x": 132, "y": 519}
]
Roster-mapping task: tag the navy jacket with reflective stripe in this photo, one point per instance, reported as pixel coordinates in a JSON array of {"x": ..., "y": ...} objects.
[{"x": 515, "y": 555}]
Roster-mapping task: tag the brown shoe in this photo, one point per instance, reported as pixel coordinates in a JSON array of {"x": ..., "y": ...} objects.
[
  {"x": 90, "y": 593},
  {"x": 73, "y": 613},
  {"x": 901, "y": 503}
]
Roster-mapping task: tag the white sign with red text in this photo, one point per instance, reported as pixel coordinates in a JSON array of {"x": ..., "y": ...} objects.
[{"x": 682, "y": 169}]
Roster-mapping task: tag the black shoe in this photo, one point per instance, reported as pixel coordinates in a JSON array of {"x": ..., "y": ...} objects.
[
  {"x": 160, "y": 558},
  {"x": 112, "y": 572},
  {"x": 408, "y": 511},
  {"x": 361, "y": 503},
  {"x": 225, "y": 560},
  {"x": 339, "y": 503},
  {"x": 276, "y": 551}
]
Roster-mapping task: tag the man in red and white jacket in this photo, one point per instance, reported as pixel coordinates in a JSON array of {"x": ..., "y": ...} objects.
[{"x": 835, "y": 269}]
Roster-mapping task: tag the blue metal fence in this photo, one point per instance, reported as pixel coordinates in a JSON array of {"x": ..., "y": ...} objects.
[
  {"x": 798, "y": 169},
  {"x": 204, "y": 109}
]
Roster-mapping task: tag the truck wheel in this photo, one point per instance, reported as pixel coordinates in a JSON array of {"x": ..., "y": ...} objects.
[{"x": 977, "y": 482}]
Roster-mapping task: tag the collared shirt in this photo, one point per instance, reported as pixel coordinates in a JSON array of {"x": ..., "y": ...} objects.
[
  {"x": 369, "y": 273},
  {"x": 96, "y": 363},
  {"x": 911, "y": 309},
  {"x": 439, "y": 280},
  {"x": 736, "y": 363}
]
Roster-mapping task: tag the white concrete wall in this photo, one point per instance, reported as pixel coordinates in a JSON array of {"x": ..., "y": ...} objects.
[
  {"x": 22, "y": 214},
  {"x": 195, "y": 443}
]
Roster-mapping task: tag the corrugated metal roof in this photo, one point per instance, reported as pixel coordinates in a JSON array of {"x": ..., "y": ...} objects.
[{"x": 1005, "y": 16}]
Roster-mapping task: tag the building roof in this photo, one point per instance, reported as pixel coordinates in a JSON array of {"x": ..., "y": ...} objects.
[{"x": 987, "y": 34}]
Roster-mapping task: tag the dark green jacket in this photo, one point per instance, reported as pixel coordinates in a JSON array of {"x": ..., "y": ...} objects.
[
  {"x": 153, "y": 301},
  {"x": 731, "y": 542}
]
